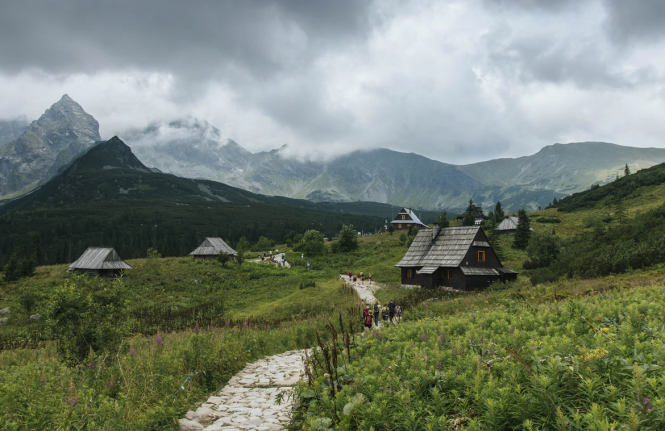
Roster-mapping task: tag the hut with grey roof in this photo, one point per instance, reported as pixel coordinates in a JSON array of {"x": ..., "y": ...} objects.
[
  {"x": 103, "y": 261},
  {"x": 406, "y": 219},
  {"x": 459, "y": 258},
  {"x": 210, "y": 249},
  {"x": 508, "y": 225}
]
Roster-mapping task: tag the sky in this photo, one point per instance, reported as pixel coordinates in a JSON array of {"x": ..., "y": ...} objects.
[{"x": 458, "y": 81}]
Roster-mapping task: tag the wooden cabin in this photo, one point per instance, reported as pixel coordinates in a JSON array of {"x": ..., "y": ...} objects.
[
  {"x": 103, "y": 261},
  {"x": 477, "y": 212},
  {"x": 459, "y": 258},
  {"x": 210, "y": 248},
  {"x": 407, "y": 218},
  {"x": 508, "y": 225}
]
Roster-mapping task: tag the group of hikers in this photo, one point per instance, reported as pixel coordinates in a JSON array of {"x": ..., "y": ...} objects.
[
  {"x": 362, "y": 277},
  {"x": 391, "y": 312},
  {"x": 277, "y": 259}
]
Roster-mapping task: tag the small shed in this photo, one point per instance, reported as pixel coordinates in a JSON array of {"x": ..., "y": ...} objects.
[
  {"x": 210, "y": 248},
  {"x": 508, "y": 225},
  {"x": 407, "y": 218},
  {"x": 103, "y": 261}
]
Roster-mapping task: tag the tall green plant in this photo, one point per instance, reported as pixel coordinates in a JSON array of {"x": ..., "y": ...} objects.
[
  {"x": 348, "y": 239},
  {"x": 523, "y": 231}
]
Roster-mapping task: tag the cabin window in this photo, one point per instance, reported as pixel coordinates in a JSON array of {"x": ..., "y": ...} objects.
[
  {"x": 481, "y": 256},
  {"x": 403, "y": 217},
  {"x": 409, "y": 273},
  {"x": 399, "y": 226},
  {"x": 450, "y": 274},
  {"x": 447, "y": 274}
]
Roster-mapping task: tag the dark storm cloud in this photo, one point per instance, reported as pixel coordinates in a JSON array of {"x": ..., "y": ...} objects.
[
  {"x": 636, "y": 21},
  {"x": 199, "y": 39}
]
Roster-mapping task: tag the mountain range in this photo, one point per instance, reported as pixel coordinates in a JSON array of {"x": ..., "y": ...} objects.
[{"x": 193, "y": 148}]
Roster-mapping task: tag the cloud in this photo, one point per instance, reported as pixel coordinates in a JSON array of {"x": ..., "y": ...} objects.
[{"x": 456, "y": 80}]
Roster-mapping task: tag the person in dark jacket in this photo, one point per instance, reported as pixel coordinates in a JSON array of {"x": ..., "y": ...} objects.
[
  {"x": 391, "y": 310},
  {"x": 377, "y": 310},
  {"x": 384, "y": 313}
]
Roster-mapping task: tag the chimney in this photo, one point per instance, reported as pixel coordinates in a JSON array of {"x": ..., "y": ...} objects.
[{"x": 435, "y": 231}]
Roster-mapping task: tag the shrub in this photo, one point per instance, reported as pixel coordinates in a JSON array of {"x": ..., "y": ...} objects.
[
  {"x": 348, "y": 239},
  {"x": 543, "y": 250}
]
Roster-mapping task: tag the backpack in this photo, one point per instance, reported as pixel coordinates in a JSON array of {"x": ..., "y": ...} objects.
[{"x": 368, "y": 319}]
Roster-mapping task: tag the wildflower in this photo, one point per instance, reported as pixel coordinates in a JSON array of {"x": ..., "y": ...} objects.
[
  {"x": 73, "y": 401},
  {"x": 159, "y": 340},
  {"x": 131, "y": 352},
  {"x": 110, "y": 385},
  {"x": 425, "y": 305},
  {"x": 92, "y": 365}
]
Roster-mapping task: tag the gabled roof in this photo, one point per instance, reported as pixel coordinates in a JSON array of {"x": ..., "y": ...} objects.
[
  {"x": 509, "y": 223},
  {"x": 448, "y": 248},
  {"x": 477, "y": 212},
  {"x": 410, "y": 213},
  {"x": 99, "y": 258},
  {"x": 213, "y": 246}
]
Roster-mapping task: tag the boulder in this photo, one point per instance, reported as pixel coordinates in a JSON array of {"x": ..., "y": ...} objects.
[
  {"x": 4, "y": 321},
  {"x": 5, "y": 312},
  {"x": 187, "y": 425},
  {"x": 35, "y": 317}
]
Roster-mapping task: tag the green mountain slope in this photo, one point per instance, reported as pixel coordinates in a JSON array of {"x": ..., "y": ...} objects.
[{"x": 566, "y": 168}]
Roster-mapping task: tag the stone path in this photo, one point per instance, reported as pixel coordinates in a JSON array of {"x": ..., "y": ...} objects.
[
  {"x": 269, "y": 260},
  {"x": 247, "y": 402},
  {"x": 365, "y": 289}
]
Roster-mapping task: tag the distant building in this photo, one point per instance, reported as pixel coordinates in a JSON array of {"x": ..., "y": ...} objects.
[
  {"x": 508, "y": 225},
  {"x": 210, "y": 248},
  {"x": 103, "y": 261},
  {"x": 457, "y": 258},
  {"x": 477, "y": 212},
  {"x": 407, "y": 218}
]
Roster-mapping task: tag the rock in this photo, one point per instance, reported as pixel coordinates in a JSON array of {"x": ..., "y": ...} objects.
[
  {"x": 5, "y": 312},
  {"x": 187, "y": 425},
  {"x": 35, "y": 317},
  {"x": 4, "y": 321}
]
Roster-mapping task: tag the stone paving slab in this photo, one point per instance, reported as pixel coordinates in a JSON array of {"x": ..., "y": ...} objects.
[{"x": 247, "y": 402}]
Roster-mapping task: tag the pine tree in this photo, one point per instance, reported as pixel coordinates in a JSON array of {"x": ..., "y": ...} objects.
[
  {"x": 499, "y": 215},
  {"x": 443, "y": 220},
  {"x": 619, "y": 209},
  {"x": 469, "y": 219},
  {"x": 626, "y": 170},
  {"x": 523, "y": 231},
  {"x": 493, "y": 238},
  {"x": 391, "y": 228},
  {"x": 12, "y": 269}
]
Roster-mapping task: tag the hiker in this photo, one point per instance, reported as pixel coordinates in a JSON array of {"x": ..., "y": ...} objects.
[
  {"x": 271, "y": 254},
  {"x": 365, "y": 311},
  {"x": 377, "y": 309},
  {"x": 391, "y": 310},
  {"x": 302, "y": 256},
  {"x": 355, "y": 278},
  {"x": 307, "y": 265},
  {"x": 350, "y": 275},
  {"x": 384, "y": 313},
  {"x": 398, "y": 310},
  {"x": 368, "y": 319},
  {"x": 369, "y": 276}
]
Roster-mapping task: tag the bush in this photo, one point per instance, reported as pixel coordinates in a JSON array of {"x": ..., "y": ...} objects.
[
  {"x": 86, "y": 320},
  {"x": 543, "y": 250},
  {"x": 312, "y": 243},
  {"x": 348, "y": 239}
]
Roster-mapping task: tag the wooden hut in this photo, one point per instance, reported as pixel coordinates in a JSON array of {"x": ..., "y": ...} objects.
[
  {"x": 459, "y": 258},
  {"x": 210, "y": 248},
  {"x": 508, "y": 225},
  {"x": 407, "y": 218},
  {"x": 477, "y": 213},
  {"x": 103, "y": 261}
]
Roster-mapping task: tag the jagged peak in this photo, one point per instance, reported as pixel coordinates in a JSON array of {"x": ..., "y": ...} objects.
[{"x": 111, "y": 154}]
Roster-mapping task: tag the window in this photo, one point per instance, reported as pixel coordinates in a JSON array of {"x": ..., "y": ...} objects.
[
  {"x": 403, "y": 217},
  {"x": 481, "y": 256},
  {"x": 479, "y": 222},
  {"x": 447, "y": 274},
  {"x": 409, "y": 273},
  {"x": 399, "y": 226}
]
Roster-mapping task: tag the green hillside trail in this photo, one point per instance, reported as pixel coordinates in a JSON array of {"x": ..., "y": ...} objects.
[
  {"x": 365, "y": 289},
  {"x": 249, "y": 400}
]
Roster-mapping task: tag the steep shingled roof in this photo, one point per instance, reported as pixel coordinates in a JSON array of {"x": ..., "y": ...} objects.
[
  {"x": 213, "y": 246},
  {"x": 410, "y": 213},
  {"x": 99, "y": 258},
  {"x": 509, "y": 223},
  {"x": 448, "y": 249}
]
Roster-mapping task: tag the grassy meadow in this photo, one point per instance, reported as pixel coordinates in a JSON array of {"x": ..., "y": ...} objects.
[{"x": 578, "y": 354}]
